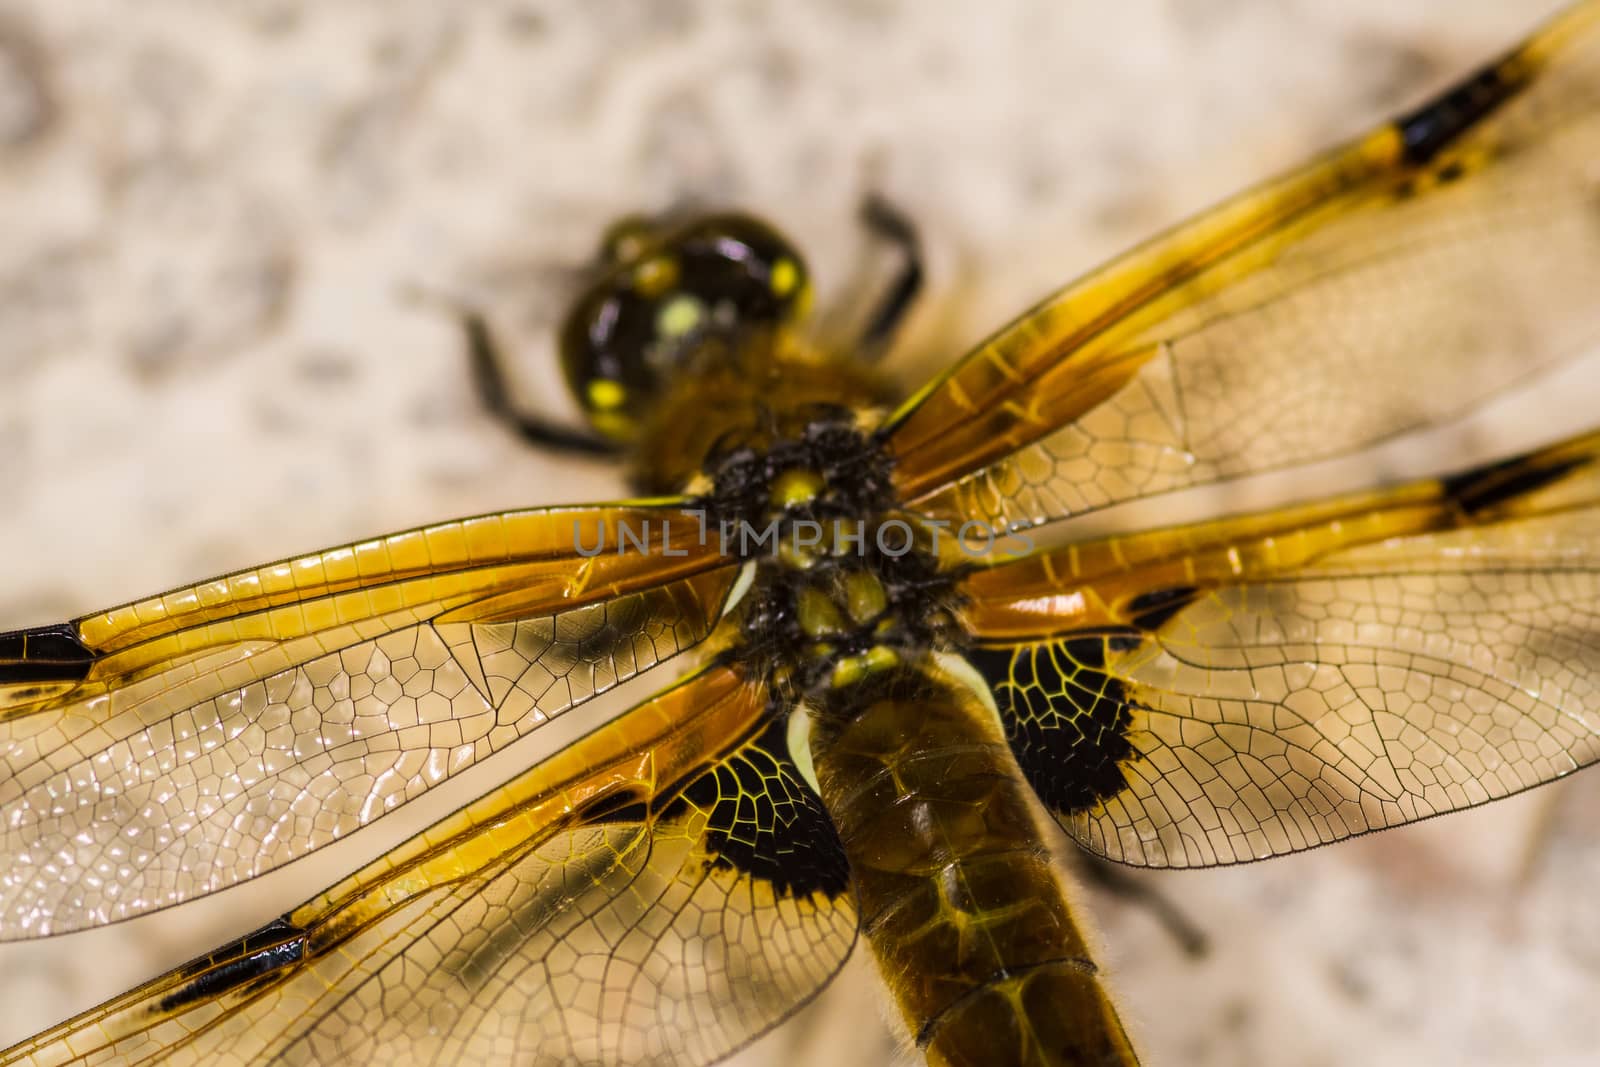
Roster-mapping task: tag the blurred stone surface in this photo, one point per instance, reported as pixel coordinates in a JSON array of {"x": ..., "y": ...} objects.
[{"x": 212, "y": 217}]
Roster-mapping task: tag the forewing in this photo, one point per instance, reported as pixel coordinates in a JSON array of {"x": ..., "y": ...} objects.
[
  {"x": 1389, "y": 285},
  {"x": 663, "y": 891},
  {"x": 180, "y": 744},
  {"x": 1246, "y": 688}
]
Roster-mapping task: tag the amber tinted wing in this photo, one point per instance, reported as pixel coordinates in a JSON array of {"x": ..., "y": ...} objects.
[
  {"x": 1245, "y": 688},
  {"x": 182, "y": 743},
  {"x": 1389, "y": 285},
  {"x": 660, "y": 892}
]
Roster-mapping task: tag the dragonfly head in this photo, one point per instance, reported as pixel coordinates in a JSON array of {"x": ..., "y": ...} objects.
[{"x": 670, "y": 298}]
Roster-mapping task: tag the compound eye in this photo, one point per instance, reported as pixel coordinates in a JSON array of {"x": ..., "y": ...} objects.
[
  {"x": 669, "y": 300},
  {"x": 604, "y": 342},
  {"x": 627, "y": 239},
  {"x": 744, "y": 274}
]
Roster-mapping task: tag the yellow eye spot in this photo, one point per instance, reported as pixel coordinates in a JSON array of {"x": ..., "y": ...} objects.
[
  {"x": 785, "y": 276},
  {"x": 655, "y": 276},
  {"x": 606, "y": 395},
  {"x": 614, "y": 424},
  {"x": 679, "y": 316}
]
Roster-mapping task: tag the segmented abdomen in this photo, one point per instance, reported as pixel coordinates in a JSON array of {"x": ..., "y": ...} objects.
[{"x": 958, "y": 896}]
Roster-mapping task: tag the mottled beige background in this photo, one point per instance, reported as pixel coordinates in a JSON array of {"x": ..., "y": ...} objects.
[{"x": 209, "y": 214}]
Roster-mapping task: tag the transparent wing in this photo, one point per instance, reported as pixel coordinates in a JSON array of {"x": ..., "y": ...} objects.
[
  {"x": 1391, "y": 284},
  {"x": 662, "y": 892},
  {"x": 173, "y": 746},
  {"x": 1246, "y": 688}
]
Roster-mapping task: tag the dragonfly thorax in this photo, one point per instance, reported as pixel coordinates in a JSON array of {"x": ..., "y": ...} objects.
[{"x": 845, "y": 583}]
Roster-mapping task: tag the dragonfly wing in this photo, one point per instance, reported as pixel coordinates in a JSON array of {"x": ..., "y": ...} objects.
[
  {"x": 174, "y": 746},
  {"x": 1251, "y": 687},
  {"x": 662, "y": 891},
  {"x": 1387, "y": 286}
]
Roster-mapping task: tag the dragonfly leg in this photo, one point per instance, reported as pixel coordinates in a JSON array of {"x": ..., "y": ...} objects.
[
  {"x": 489, "y": 381},
  {"x": 1141, "y": 894},
  {"x": 889, "y": 223},
  {"x": 490, "y": 384}
]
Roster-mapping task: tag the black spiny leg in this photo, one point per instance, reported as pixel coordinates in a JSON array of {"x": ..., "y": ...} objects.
[
  {"x": 491, "y": 387},
  {"x": 490, "y": 384},
  {"x": 885, "y": 220},
  {"x": 1116, "y": 881}
]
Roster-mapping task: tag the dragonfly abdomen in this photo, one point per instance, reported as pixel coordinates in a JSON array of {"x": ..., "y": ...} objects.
[{"x": 963, "y": 907}]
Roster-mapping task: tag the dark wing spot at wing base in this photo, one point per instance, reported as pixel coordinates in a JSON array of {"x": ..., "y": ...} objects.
[
  {"x": 1066, "y": 718},
  {"x": 765, "y": 822}
]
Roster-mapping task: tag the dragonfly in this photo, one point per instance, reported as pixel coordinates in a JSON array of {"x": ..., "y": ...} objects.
[{"x": 893, "y": 676}]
